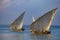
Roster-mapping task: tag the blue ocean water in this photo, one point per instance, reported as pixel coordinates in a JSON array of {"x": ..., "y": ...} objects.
[{"x": 7, "y": 34}]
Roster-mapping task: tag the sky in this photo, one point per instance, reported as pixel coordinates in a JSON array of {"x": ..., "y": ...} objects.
[{"x": 11, "y": 9}]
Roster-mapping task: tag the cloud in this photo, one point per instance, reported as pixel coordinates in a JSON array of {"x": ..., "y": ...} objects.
[{"x": 4, "y": 3}]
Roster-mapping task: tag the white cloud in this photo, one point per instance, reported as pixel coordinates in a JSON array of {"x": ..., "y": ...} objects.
[{"x": 4, "y": 3}]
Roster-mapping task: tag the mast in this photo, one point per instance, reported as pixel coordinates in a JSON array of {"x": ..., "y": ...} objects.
[{"x": 44, "y": 22}]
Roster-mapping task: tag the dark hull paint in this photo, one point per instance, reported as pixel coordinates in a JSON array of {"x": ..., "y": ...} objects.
[
  {"x": 46, "y": 32},
  {"x": 17, "y": 30}
]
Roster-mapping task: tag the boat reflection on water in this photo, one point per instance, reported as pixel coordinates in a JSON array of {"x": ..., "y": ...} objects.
[
  {"x": 24, "y": 36},
  {"x": 41, "y": 37},
  {"x": 6, "y": 34},
  {"x": 9, "y": 36}
]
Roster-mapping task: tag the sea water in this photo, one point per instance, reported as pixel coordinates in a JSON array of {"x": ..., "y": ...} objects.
[{"x": 7, "y": 34}]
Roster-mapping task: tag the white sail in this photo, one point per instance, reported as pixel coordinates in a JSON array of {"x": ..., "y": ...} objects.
[
  {"x": 20, "y": 26},
  {"x": 33, "y": 19},
  {"x": 18, "y": 23},
  {"x": 43, "y": 23}
]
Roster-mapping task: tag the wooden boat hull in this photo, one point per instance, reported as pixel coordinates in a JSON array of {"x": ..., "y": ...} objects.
[
  {"x": 17, "y": 30},
  {"x": 35, "y": 32}
]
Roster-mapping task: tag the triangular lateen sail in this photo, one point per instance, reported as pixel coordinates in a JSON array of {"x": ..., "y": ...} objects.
[
  {"x": 43, "y": 23},
  {"x": 18, "y": 23}
]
